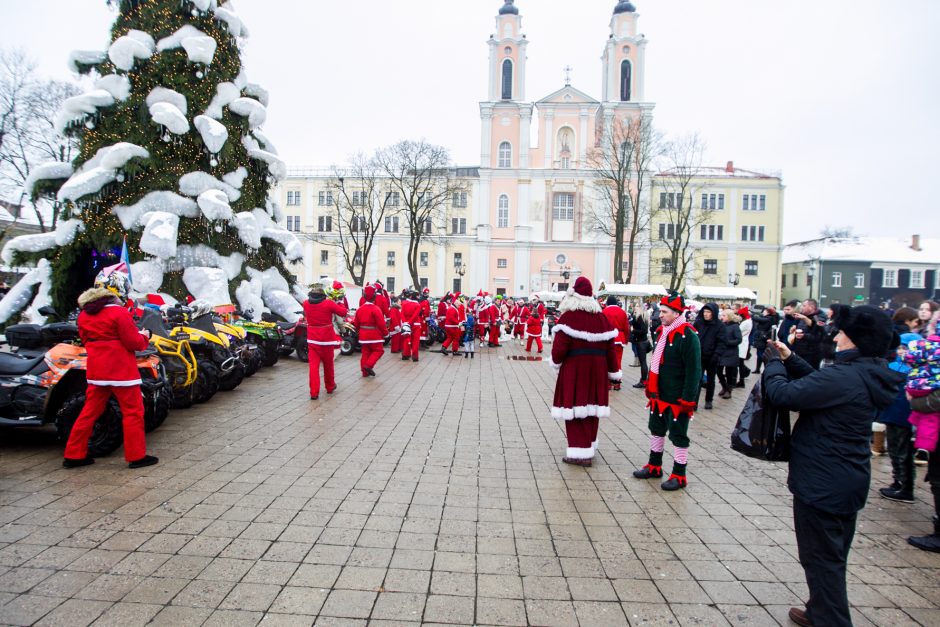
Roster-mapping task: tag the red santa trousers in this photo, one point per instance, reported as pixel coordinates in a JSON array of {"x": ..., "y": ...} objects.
[
  {"x": 518, "y": 330},
  {"x": 396, "y": 343},
  {"x": 411, "y": 344},
  {"x": 371, "y": 353},
  {"x": 453, "y": 339},
  {"x": 131, "y": 402},
  {"x": 618, "y": 355},
  {"x": 536, "y": 339},
  {"x": 582, "y": 437},
  {"x": 494, "y": 334},
  {"x": 321, "y": 354}
]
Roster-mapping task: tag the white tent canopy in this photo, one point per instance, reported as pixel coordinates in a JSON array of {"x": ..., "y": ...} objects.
[
  {"x": 635, "y": 290},
  {"x": 705, "y": 293},
  {"x": 550, "y": 297}
]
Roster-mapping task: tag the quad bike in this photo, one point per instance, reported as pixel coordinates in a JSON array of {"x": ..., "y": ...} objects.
[
  {"x": 42, "y": 385},
  {"x": 211, "y": 351},
  {"x": 265, "y": 335},
  {"x": 350, "y": 336},
  {"x": 177, "y": 358},
  {"x": 249, "y": 356},
  {"x": 294, "y": 338},
  {"x": 434, "y": 333}
]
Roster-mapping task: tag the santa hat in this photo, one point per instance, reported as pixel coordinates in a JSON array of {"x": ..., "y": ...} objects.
[
  {"x": 745, "y": 313},
  {"x": 480, "y": 294},
  {"x": 580, "y": 297},
  {"x": 674, "y": 301},
  {"x": 488, "y": 300},
  {"x": 369, "y": 293},
  {"x": 869, "y": 328},
  {"x": 426, "y": 291},
  {"x": 583, "y": 286},
  {"x": 337, "y": 285}
]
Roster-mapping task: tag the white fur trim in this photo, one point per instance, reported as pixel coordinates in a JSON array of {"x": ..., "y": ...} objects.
[
  {"x": 576, "y": 302},
  {"x": 581, "y": 411},
  {"x": 615, "y": 376},
  {"x": 579, "y": 453},
  {"x": 527, "y": 334},
  {"x": 555, "y": 367},
  {"x": 584, "y": 335},
  {"x": 594, "y": 446},
  {"x": 315, "y": 343},
  {"x": 115, "y": 384},
  {"x": 371, "y": 341}
]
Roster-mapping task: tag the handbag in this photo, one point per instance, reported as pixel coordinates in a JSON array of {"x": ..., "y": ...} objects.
[{"x": 762, "y": 430}]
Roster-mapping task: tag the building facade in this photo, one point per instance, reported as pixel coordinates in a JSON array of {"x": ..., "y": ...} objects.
[
  {"x": 524, "y": 224},
  {"x": 862, "y": 271}
]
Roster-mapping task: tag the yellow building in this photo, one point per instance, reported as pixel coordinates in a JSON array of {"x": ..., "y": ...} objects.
[{"x": 733, "y": 235}]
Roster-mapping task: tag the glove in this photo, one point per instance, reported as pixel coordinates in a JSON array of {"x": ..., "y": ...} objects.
[
  {"x": 771, "y": 353},
  {"x": 688, "y": 407}
]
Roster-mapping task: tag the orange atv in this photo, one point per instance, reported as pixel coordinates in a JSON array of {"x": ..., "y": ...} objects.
[{"x": 43, "y": 383}]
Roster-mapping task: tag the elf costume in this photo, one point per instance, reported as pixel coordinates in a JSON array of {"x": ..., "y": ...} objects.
[{"x": 672, "y": 389}]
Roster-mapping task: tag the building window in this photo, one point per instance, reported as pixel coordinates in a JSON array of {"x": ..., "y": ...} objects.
[
  {"x": 390, "y": 284},
  {"x": 836, "y": 279},
  {"x": 746, "y": 205},
  {"x": 391, "y": 224},
  {"x": 667, "y": 267},
  {"x": 502, "y": 263},
  {"x": 458, "y": 226},
  {"x": 505, "y": 155},
  {"x": 917, "y": 279},
  {"x": 392, "y": 199},
  {"x": 625, "y": 266},
  {"x": 713, "y": 202},
  {"x": 752, "y": 234},
  {"x": 859, "y": 279},
  {"x": 795, "y": 278},
  {"x": 507, "y": 79},
  {"x": 783, "y": 281},
  {"x": 750, "y": 268},
  {"x": 360, "y": 199},
  {"x": 423, "y": 260},
  {"x": 427, "y": 226},
  {"x": 890, "y": 279},
  {"x": 626, "y": 78},
  {"x": 290, "y": 223},
  {"x": 670, "y": 200},
  {"x": 712, "y": 232},
  {"x": 502, "y": 219},
  {"x": 460, "y": 200},
  {"x": 325, "y": 224},
  {"x": 721, "y": 202},
  {"x": 458, "y": 259},
  {"x": 754, "y": 202},
  {"x": 763, "y": 203},
  {"x": 324, "y": 257},
  {"x": 358, "y": 224},
  {"x": 563, "y": 206},
  {"x": 458, "y": 286},
  {"x": 423, "y": 282},
  {"x": 325, "y": 199},
  {"x": 293, "y": 198},
  {"x": 390, "y": 258},
  {"x": 711, "y": 266},
  {"x": 565, "y": 163},
  {"x": 668, "y": 231}
]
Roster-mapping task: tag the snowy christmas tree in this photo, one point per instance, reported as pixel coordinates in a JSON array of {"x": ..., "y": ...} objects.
[{"x": 172, "y": 158}]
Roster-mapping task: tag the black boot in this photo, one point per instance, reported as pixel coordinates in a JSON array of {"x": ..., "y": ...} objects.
[
  {"x": 653, "y": 469},
  {"x": 928, "y": 543},
  {"x": 676, "y": 480}
]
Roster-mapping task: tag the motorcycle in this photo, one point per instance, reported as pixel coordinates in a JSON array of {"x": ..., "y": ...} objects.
[
  {"x": 265, "y": 335},
  {"x": 435, "y": 333},
  {"x": 43, "y": 382},
  {"x": 177, "y": 358}
]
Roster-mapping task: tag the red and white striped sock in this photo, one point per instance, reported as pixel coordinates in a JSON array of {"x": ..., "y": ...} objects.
[
  {"x": 657, "y": 443},
  {"x": 681, "y": 456}
]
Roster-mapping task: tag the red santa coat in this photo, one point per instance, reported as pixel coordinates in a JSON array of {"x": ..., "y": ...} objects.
[
  {"x": 319, "y": 316},
  {"x": 533, "y": 326},
  {"x": 411, "y": 312},
  {"x": 110, "y": 337},
  {"x": 583, "y": 355},
  {"x": 382, "y": 302},
  {"x": 442, "y": 310},
  {"x": 618, "y": 319},
  {"x": 452, "y": 318},
  {"x": 425, "y": 309},
  {"x": 492, "y": 314},
  {"x": 394, "y": 327},
  {"x": 370, "y": 323}
]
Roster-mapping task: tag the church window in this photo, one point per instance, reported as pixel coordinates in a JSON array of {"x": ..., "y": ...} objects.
[
  {"x": 507, "y": 79},
  {"x": 502, "y": 219},
  {"x": 626, "y": 80},
  {"x": 563, "y": 206},
  {"x": 505, "y": 155}
]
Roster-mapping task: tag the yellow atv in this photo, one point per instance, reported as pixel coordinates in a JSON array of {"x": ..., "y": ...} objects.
[
  {"x": 177, "y": 358},
  {"x": 248, "y": 354}
]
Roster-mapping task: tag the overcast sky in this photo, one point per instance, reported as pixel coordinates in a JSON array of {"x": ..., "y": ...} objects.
[{"x": 840, "y": 95}]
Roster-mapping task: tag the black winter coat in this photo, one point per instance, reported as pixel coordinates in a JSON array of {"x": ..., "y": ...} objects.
[
  {"x": 709, "y": 332},
  {"x": 762, "y": 328},
  {"x": 728, "y": 341},
  {"x": 639, "y": 330},
  {"x": 830, "y": 462}
]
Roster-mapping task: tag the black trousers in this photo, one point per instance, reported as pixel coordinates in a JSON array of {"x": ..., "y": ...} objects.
[
  {"x": 710, "y": 368},
  {"x": 901, "y": 450},
  {"x": 727, "y": 376},
  {"x": 823, "y": 541},
  {"x": 933, "y": 476},
  {"x": 641, "y": 356}
]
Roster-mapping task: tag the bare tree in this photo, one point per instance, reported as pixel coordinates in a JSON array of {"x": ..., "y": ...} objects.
[
  {"x": 679, "y": 213},
  {"x": 28, "y": 106},
  {"x": 837, "y": 231},
  {"x": 361, "y": 199},
  {"x": 422, "y": 175},
  {"x": 622, "y": 164}
]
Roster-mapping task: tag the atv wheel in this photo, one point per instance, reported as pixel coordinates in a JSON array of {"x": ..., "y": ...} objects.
[
  {"x": 270, "y": 353},
  {"x": 183, "y": 397},
  {"x": 252, "y": 362},
  {"x": 346, "y": 348},
  {"x": 233, "y": 378},
  {"x": 157, "y": 408},
  {"x": 207, "y": 381},
  {"x": 108, "y": 433},
  {"x": 303, "y": 351}
]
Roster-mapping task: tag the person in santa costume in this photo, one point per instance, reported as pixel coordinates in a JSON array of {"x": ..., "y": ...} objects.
[
  {"x": 583, "y": 355},
  {"x": 322, "y": 339},
  {"x": 618, "y": 318},
  {"x": 424, "y": 300},
  {"x": 442, "y": 307},
  {"x": 394, "y": 326},
  {"x": 452, "y": 323},
  {"x": 672, "y": 388},
  {"x": 533, "y": 332},
  {"x": 370, "y": 323},
  {"x": 382, "y": 300},
  {"x": 110, "y": 338},
  {"x": 519, "y": 320},
  {"x": 490, "y": 314},
  {"x": 412, "y": 313}
]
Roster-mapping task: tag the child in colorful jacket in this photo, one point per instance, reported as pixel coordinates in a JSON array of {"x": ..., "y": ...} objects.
[
  {"x": 923, "y": 356},
  {"x": 469, "y": 335}
]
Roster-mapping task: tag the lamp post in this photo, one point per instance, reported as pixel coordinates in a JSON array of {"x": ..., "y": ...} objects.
[{"x": 734, "y": 278}]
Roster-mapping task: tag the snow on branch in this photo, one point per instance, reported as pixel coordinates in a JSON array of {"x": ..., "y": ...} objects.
[
  {"x": 162, "y": 94},
  {"x": 51, "y": 171},
  {"x": 214, "y": 205},
  {"x": 100, "y": 170},
  {"x": 199, "y": 47},
  {"x": 257, "y": 91},
  {"x": 77, "y": 107},
  {"x": 195, "y": 183},
  {"x": 160, "y": 234},
  {"x": 117, "y": 85},
  {"x": 169, "y": 202},
  {"x": 169, "y": 116},
  {"x": 78, "y": 58},
  {"x": 225, "y": 93},
  {"x": 214, "y": 134},
  {"x": 269, "y": 230},
  {"x": 251, "y": 109},
  {"x": 64, "y": 235},
  {"x": 276, "y": 167},
  {"x": 17, "y": 299},
  {"x": 135, "y": 44}
]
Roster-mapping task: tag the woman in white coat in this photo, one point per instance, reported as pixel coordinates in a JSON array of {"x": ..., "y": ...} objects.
[{"x": 745, "y": 346}]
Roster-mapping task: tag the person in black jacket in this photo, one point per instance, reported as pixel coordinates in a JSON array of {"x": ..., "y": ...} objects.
[
  {"x": 808, "y": 334},
  {"x": 710, "y": 333},
  {"x": 830, "y": 463},
  {"x": 727, "y": 352},
  {"x": 639, "y": 337},
  {"x": 763, "y": 330}
]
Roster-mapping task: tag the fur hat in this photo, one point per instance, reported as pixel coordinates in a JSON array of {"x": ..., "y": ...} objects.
[
  {"x": 93, "y": 294},
  {"x": 582, "y": 286},
  {"x": 369, "y": 292},
  {"x": 869, "y": 328},
  {"x": 674, "y": 301},
  {"x": 612, "y": 300}
]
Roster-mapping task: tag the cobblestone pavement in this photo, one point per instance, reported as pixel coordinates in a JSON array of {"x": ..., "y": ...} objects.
[{"x": 433, "y": 493}]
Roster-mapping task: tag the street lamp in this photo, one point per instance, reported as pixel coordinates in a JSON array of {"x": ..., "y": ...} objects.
[
  {"x": 734, "y": 278},
  {"x": 810, "y": 273},
  {"x": 460, "y": 269}
]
